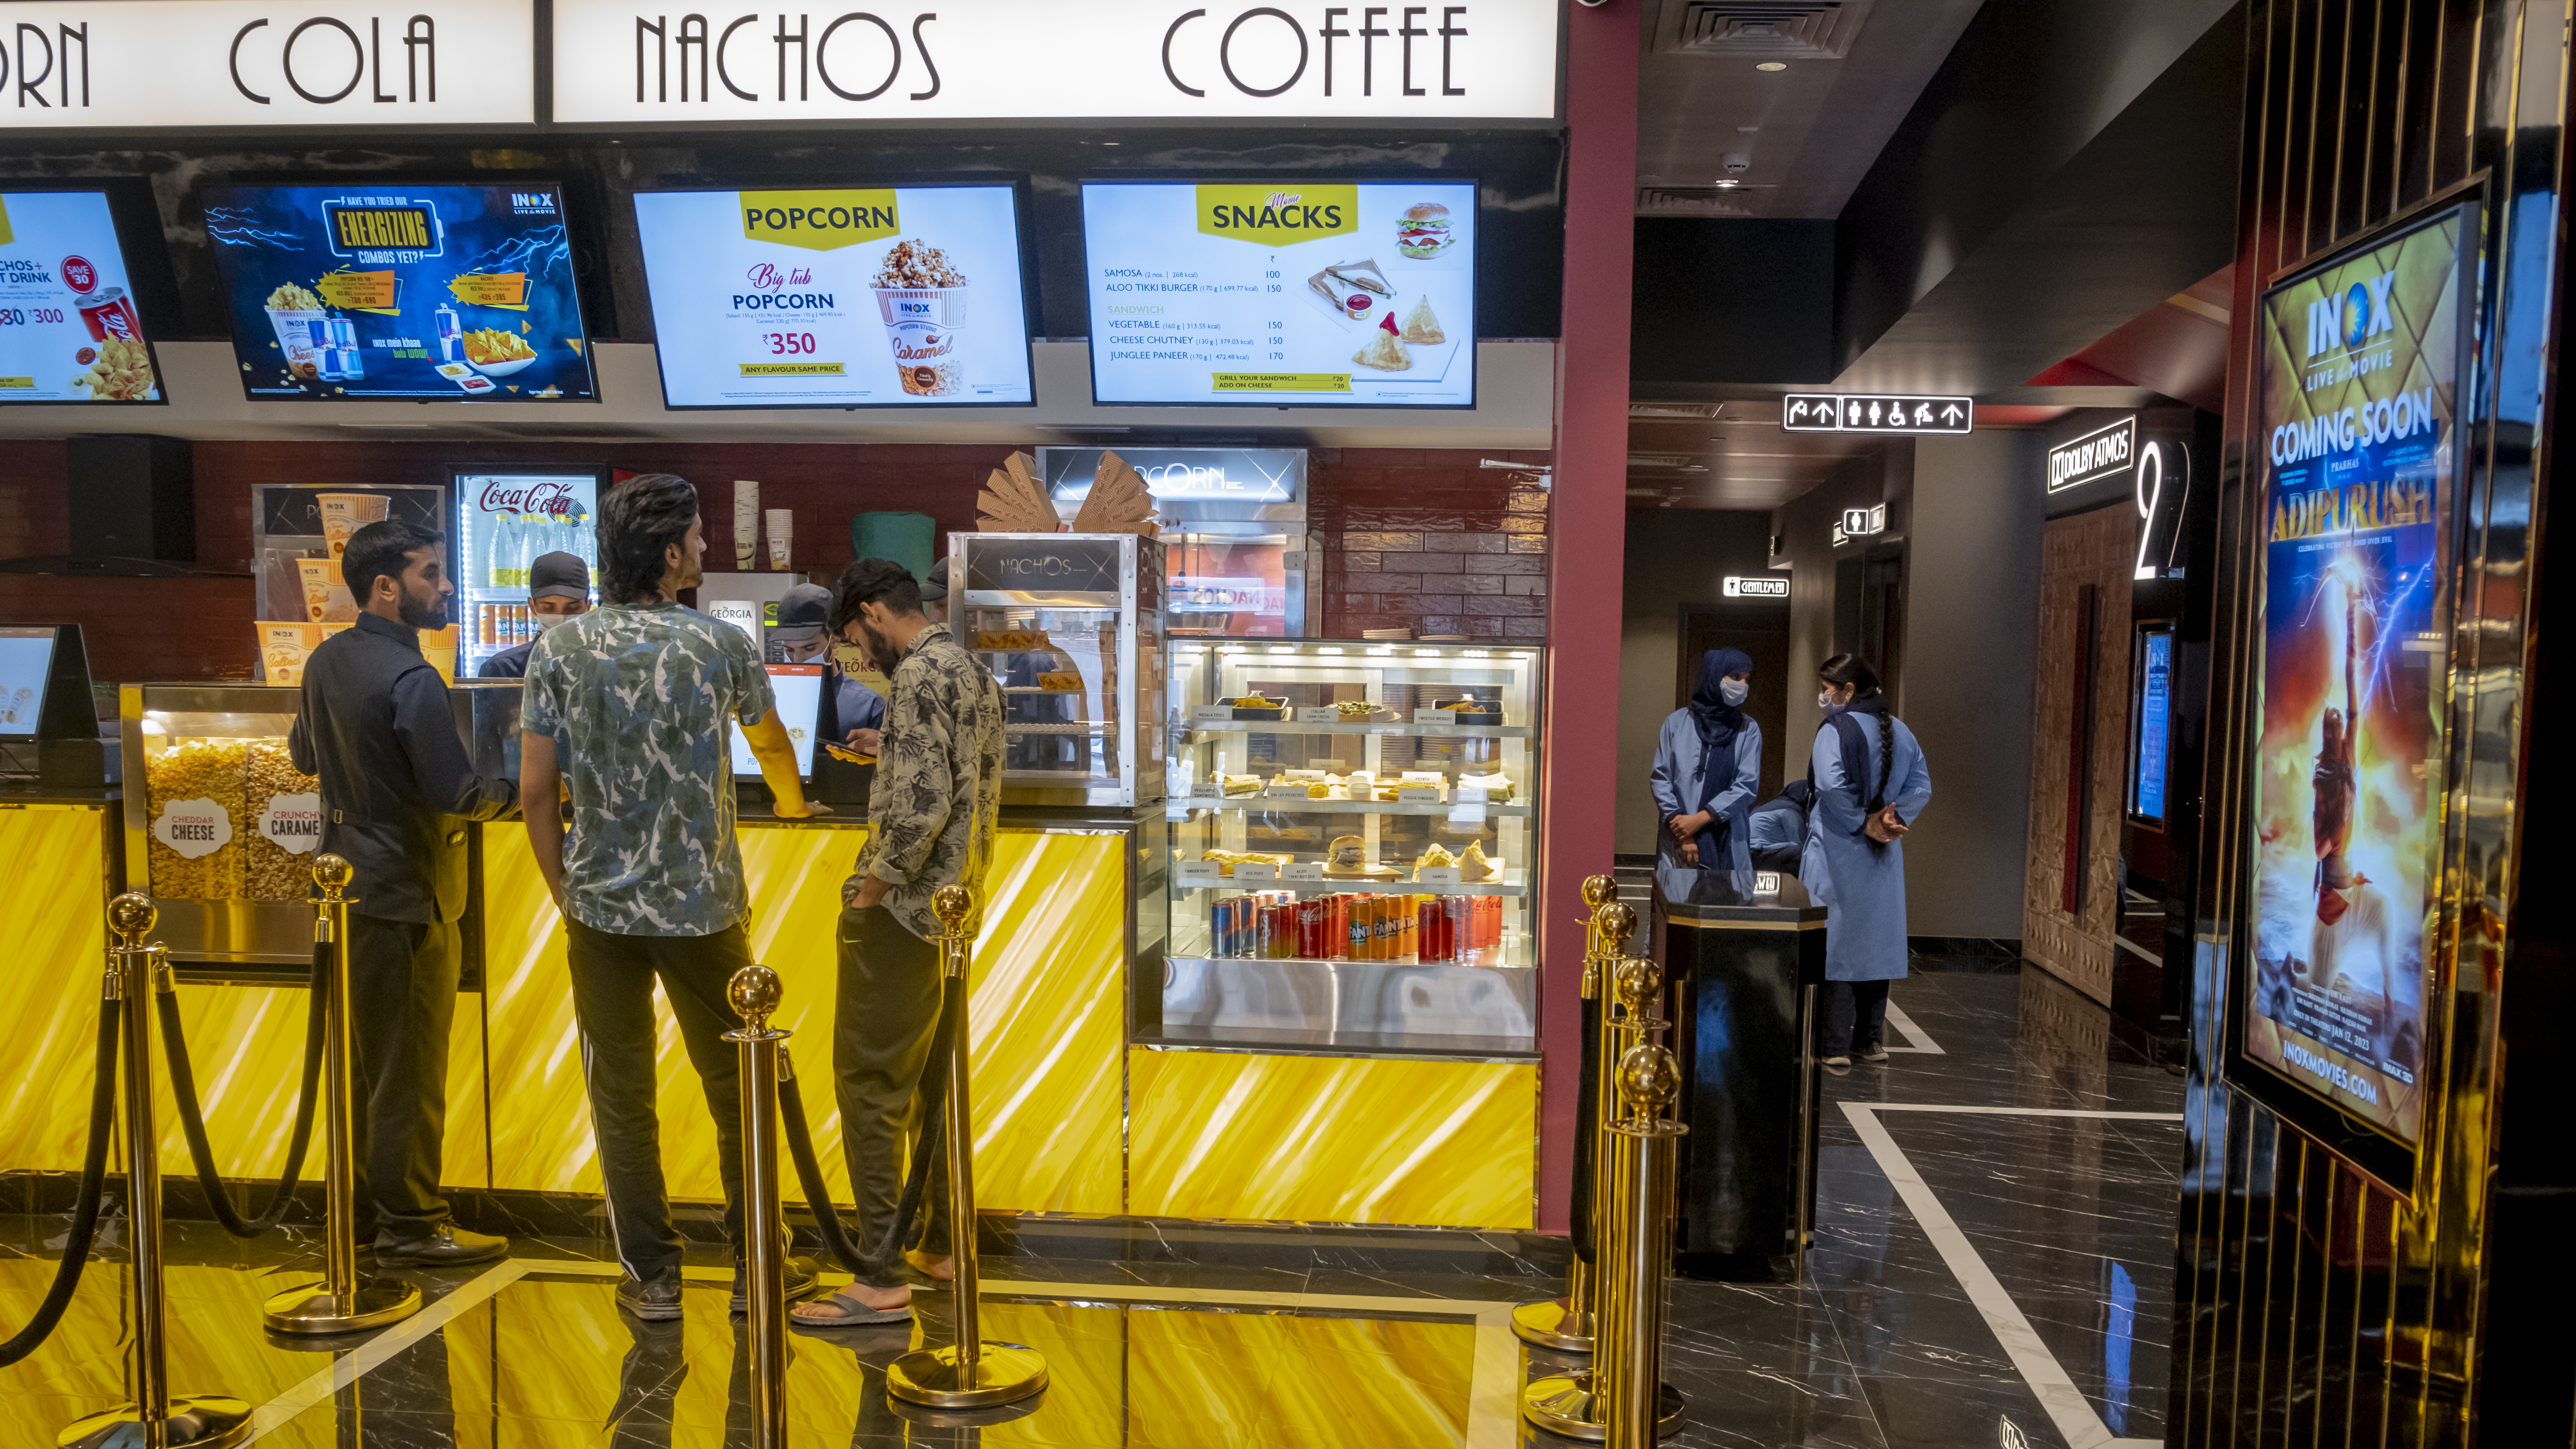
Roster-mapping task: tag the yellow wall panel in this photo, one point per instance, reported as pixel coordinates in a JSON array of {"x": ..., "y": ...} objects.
[
  {"x": 1331, "y": 1139},
  {"x": 53, "y": 900}
]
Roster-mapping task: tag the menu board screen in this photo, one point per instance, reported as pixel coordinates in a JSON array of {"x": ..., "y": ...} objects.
[
  {"x": 26, "y": 664},
  {"x": 68, "y": 328},
  {"x": 382, "y": 290},
  {"x": 894, "y": 297},
  {"x": 1282, "y": 294}
]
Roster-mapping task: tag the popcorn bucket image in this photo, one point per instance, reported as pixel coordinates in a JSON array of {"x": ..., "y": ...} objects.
[
  {"x": 921, "y": 324},
  {"x": 345, "y": 513},
  {"x": 301, "y": 336}
]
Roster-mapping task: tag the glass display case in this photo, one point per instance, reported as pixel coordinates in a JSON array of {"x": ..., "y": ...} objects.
[
  {"x": 1354, "y": 831},
  {"x": 1072, "y": 626},
  {"x": 221, "y": 828}
]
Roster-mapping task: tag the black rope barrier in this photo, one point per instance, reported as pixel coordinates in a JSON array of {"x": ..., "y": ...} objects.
[
  {"x": 809, "y": 1168},
  {"x": 192, "y": 1115},
  {"x": 1587, "y": 1118},
  {"x": 85, "y": 1211}
]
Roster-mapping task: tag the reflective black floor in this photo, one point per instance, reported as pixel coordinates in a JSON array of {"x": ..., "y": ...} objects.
[{"x": 1993, "y": 1260}]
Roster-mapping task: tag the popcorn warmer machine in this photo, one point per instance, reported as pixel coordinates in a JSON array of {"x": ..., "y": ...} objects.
[{"x": 1072, "y": 626}]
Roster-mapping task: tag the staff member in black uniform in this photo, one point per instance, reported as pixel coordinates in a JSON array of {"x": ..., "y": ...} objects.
[
  {"x": 397, "y": 789},
  {"x": 558, "y": 589},
  {"x": 852, "y": 712}
]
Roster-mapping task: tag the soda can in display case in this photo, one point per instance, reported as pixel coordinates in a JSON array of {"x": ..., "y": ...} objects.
[{"x": 1314, "y": 921}]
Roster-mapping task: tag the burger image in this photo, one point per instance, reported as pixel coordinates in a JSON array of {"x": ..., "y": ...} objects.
[{"x": 1423, "y": 230}]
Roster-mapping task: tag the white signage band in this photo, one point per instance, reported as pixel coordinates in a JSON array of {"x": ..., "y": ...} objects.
[
  {"x": 1843, "y": 412},
  {"x": 2104, "y": 453},
  {"x": 620, "y": 62},
  {"x": 125, "y": 64}
]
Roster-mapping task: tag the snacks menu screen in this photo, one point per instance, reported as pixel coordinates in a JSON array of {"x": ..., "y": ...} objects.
[
  {"x": 370, "y": 291},
  {"x": 898, "y": 297},
  {"x": 68, "y": 328},
  {"x": 1286, "y": 294}
]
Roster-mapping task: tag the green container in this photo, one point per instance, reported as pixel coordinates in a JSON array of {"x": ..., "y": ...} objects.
[{"x": 907, "y": 538}]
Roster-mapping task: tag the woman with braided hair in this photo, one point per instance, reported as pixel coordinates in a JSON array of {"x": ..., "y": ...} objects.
[{"x": 1871, "y": 784}]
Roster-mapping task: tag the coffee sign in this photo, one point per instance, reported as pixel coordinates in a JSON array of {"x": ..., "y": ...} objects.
[{"x": 123, "y": 64}]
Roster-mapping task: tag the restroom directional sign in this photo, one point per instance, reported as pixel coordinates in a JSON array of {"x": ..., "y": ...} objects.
[{"x": 1848, "y": 412}]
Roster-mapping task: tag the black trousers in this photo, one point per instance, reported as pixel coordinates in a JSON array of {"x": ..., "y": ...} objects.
[
  {"x": 1855, "y": 1016},
  {"x": 612, "y": 1003},
  {"x": 881, "y": 1044},
  {"x": 402, "y": 1000}
]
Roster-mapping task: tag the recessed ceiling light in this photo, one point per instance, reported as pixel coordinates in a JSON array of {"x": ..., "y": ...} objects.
[
  {"x": 1773, "y": 65},
  {"x": 1727, "y": 183},
  {"x": 1748, "y": 130}
]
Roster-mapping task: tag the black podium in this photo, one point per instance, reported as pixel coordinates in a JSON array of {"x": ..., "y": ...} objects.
[{"x": 1744, "y": 953}]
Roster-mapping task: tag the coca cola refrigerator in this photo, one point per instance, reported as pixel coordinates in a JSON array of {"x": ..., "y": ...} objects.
[{"x": 506, "y": 519}]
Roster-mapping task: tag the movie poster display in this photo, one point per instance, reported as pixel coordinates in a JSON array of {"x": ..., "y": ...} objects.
[{"x": 2362, "y": 365}]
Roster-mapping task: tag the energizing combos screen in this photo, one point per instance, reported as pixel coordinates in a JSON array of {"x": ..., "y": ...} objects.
[
  {"x": 2362, "y": 362},
  {"x": 1270, "y": 295},
  {"x": 906, "y": 297},
  {"x": 397, "y": 291}
]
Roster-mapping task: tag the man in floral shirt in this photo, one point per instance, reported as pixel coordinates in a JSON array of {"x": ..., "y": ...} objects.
[{"x": 930, "y": 823}]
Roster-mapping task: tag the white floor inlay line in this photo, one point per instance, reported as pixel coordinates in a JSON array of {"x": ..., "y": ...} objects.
[{"x": 1915, "y": 1040}]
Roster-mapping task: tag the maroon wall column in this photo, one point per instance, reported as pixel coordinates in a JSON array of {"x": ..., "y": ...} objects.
[{"x": 1589, "y": 531}]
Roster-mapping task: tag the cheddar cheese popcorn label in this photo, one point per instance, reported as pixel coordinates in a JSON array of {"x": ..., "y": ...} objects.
[
  {"x": 292, "y": 823},
  {"x": 194, "y": 828}
]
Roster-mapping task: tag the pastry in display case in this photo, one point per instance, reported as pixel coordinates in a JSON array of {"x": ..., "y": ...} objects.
[
  {"x": 1353, "y": 840},
  {"x": 1071, "y": 625}
]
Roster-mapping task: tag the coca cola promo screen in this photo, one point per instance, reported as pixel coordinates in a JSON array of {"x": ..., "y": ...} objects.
[
  {"x": 375, "y": 291},
  {"x": 68, "y": 329},
  {"x": 839, "y": 297}
]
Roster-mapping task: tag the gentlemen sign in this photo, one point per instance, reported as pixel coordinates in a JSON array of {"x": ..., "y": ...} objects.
[
  {"x": 1844, "y": 412},
  {"x": 101, "y": 64},
  {"x": 1755, "y": 587},
  {"x": 618, "y": 62}
]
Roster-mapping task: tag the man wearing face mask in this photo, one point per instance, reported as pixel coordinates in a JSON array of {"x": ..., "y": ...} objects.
[
  {"x": 1708, "y": 766},
  {"x": 558, "y": 592},
  {"x": 398, "y": 787}
]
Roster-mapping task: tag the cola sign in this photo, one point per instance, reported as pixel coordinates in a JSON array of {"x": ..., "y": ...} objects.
[{"x": 553, "y": 497}]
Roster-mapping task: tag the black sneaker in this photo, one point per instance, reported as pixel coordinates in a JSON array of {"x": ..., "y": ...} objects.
[
  {"x": 445, "y": 1246},
  {"x": 800, "y": 1282},
  {"x": 653, "y": 1299},
  {"x": 1873, "y": 1052}
]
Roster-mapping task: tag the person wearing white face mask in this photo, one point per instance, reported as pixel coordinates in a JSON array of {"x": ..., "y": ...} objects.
[
  {"x": 1871, "y": 784},
  {"x": 1708, "y": 768},
  {"x": 558, "y": 591}
]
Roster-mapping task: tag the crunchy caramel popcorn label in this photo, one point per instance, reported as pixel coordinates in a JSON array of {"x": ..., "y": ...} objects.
[{"x": 292, "y": 823}]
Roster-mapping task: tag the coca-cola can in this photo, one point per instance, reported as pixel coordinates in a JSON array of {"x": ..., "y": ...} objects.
[{"x": 109, "y": 315}]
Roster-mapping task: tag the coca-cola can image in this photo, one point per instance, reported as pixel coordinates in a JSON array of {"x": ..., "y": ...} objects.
[{"x": 110, "y": 315}]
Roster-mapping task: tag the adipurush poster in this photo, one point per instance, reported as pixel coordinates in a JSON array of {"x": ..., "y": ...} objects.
[
  {"x": 384, "y": 290},
  {"x": 2361, "y": 375}
]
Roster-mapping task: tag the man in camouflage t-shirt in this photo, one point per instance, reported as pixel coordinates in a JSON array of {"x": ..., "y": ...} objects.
[{"x": 627, "y": 707}]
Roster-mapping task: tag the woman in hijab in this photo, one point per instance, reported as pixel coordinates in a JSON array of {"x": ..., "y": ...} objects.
[
  {"x": 1708, "y": 765},
  {"x": 1871, "y": 785}
]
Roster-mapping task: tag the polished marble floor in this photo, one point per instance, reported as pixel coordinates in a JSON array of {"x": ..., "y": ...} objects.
[{"x": 1992, "y": 1265}]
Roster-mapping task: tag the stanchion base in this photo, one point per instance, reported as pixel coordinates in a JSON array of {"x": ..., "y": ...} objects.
[
  {"x": 196, "y": 1421},
  {"x": 1006, "y": 1373},
  {"x": 1565, "y": 1405},
  {"x": 311, "y": 1308},
  {"x": 1553, "y": 1323}
]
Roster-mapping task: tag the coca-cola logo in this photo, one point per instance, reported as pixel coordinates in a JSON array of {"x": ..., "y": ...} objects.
[
  {"x": 80, "y": 274},
  {"x": 551, "y": 496},
  {"x": 769, "y": 278}
]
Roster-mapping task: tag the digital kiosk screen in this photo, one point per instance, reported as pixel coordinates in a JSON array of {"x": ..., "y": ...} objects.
[{"x": 2153, "y": 711}]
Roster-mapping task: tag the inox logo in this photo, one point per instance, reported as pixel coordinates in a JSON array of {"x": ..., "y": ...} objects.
[{"x": 2347, "y": 323}]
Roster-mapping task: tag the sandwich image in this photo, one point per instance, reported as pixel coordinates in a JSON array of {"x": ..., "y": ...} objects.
[
  {"x": 1358, "y": 290},
  {"x": 1423, "y": 230},
  {"x": 1422, "y": 325},
  {"x": 1385, "y": 351}
]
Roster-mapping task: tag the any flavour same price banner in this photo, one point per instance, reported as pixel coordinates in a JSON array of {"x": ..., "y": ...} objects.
[
  {"x": 1264, "y": 295},
  {"x": 68, "y": 328},
  {"x": 905, "y": 297},
  {"x": 393, "y": 291},
  {"x": 2359, "y": 407}
]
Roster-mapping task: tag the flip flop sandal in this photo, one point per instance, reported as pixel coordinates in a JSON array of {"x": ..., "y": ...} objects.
[{"x": 854, "y": 1314}]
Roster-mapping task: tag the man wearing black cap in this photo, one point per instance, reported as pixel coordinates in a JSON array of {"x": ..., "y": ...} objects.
[
  {"x": 852, "y": 712},
  {"x": 934, "y": 593},
  {"x": 558, "y": 589},
  {"x": 397, "y": 789}
]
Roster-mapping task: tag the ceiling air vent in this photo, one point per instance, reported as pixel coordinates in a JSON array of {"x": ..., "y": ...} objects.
[
  {"x": 1761, "y": 29},
  {"x": 1672, "y": 410},
  {"x": 1691, "y": 201}
]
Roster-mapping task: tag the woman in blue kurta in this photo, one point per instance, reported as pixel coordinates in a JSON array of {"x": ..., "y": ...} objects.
[
  {"x": 1871, "y": 785},
  {"x": 1708, "y": 766}
]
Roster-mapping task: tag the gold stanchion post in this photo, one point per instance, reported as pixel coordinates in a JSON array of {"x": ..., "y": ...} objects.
[
  {"x": 342, "y": 1302},
  {"x": 1565, "y": 1324},
  {"x": 970, "y": 1373},
  {"x": 754, "y": 991},
  {"x": 155, "y": 1420},
  {"x": 1583, "y": 1405}
]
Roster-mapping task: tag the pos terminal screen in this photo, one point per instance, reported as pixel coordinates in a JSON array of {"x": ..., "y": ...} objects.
[
  {"x": 26, "y": 664},
  {"x": 798, "y": 689}
]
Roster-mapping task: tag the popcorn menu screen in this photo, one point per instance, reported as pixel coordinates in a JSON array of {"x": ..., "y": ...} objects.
[
  {"x": 1291, "y": 293},
  {"x": 396, "y": 291},
  {"x": 68, "y": 328},
  {"x": 903, "y": 297}
]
